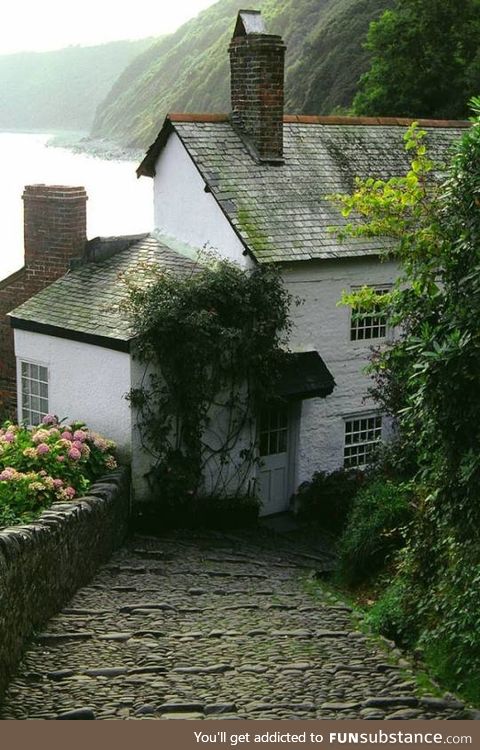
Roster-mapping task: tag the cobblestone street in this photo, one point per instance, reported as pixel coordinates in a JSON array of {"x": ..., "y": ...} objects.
[{"x": 212, "y": 626}]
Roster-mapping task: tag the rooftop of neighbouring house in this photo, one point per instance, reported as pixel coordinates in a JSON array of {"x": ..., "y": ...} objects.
[
  {"x": 85, "y": 304},
  {"x": 282, "y": 212}
]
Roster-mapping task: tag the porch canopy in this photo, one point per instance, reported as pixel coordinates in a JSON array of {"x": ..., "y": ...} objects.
[{"x": 305, "y": 375}]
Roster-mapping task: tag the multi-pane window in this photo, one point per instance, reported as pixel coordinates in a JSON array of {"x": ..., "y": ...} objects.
[
  {"x": 371, "y": 323},
  {"x": 273, "y": 432},
  {"x": 34, "y": 385},
  {"x": 362, "y": 435}
]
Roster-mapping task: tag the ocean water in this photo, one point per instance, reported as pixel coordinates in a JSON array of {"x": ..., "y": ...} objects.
[{"x": 117, "y": 204}]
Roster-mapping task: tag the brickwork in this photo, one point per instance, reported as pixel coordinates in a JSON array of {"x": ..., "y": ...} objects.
[
  {"x": 257, "y": 91},
  {"x": 55, "y": 232}
]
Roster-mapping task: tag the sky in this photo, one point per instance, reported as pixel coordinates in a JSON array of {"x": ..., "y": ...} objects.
[{"x": 52, "y": 24}]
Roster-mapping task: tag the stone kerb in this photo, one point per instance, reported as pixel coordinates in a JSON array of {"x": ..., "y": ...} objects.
[{"x": 42, "y": 564}]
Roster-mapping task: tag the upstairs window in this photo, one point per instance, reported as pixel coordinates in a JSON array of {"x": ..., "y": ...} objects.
[
  {"x": 371, "y": 323},
  {"x": 362, "y": 435},
  {"x": 34, "y": 392}
]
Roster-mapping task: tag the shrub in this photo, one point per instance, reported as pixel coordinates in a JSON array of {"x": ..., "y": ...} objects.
[
  {"x": 48, "y": 463},
  {"x": 387, "y": 615},
  {"x": 376, "y": 528},
  {"x": 328, "y": 498}
]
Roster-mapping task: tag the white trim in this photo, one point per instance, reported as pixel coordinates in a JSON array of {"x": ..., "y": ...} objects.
[
  {"x": 27, "y": 361},
  {"x": 359, "y": 417}
]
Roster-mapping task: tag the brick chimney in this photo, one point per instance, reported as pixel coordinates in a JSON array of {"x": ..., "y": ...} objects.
[
  {"x": 257, "y": 62},
  {"x": 55, "y": 227},
  {"x": 55, "y": 234}
]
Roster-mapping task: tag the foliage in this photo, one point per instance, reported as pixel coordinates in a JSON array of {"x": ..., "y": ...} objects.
[
  {"x": 48, "y": 463},
  {"x": 376, "y": 528},
  {"x": 211, "y": 340},
  {"x": 61, "y": 89},
  {"x": 328, "y": 498},
  {"x": 188, "y": 71},
  {"x": 425, "y": 60},
  {"x": 435, "y": 366}
]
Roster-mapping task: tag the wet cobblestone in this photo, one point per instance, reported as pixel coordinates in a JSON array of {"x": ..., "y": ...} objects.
[{"x": 211, "y": 626}]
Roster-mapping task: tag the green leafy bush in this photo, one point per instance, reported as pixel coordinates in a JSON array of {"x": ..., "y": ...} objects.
[
  {"x": 328, "y": 498},
  {"x": 48, "y": 463},
  {"x": 376, "y": 528}
]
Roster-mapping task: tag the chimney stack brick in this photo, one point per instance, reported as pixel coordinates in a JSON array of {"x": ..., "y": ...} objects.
[
  {"x": 55, "y": 233},
  {"x": 257, "y": 63}
]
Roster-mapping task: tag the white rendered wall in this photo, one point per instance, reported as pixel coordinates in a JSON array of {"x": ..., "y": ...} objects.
[
  {"x": 183, "y": 210},
  {"x": 320, "y": 324},
  {"x": 86, "y": 382}
]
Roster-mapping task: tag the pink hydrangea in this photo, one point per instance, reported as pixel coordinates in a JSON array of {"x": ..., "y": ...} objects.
[
  {"x": 74, "y": 454},
  {"x": 9, "y": 437},
  {"x": 50, "y": 419},
  {"x": 58, "y": 484},
  {"x": 42, "y": 449},
  {"x": 7, "y": 474},
  {"x": 78, "y": 445},
  {"x": 61, "y": 459},
  {"x": 70, "y": 492},
  {"x": 80, "y": 435},
  {"x": 67, "y": 435}
]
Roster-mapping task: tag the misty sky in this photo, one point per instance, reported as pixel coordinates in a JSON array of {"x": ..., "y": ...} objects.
[{"x": 52, "y": 24}]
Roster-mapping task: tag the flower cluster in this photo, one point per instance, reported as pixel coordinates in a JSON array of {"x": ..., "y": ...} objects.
[{"x": 49, "y": 463}]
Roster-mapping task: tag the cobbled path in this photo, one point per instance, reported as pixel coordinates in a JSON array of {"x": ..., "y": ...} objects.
[{"x": 212, "y": 626}]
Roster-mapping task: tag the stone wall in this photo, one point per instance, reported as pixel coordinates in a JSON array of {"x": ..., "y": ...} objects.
[{"x": 42, "y": 564}]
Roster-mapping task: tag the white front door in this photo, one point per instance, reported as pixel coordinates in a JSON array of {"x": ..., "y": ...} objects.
[{"x": 273, "y": 477}]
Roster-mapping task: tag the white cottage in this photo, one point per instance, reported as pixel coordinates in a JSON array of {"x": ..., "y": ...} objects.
[{"x": 254, "y": 186}]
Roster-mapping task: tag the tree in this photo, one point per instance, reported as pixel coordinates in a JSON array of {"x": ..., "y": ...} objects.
[
  {"x": 429, "y": 379},
  {"x": 425, "y": 60}
]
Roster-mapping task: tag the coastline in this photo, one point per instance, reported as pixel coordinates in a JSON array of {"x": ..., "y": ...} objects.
[{"x": 100, "y": 148}]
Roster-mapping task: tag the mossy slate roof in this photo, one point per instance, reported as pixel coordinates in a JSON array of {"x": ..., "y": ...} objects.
[
  {"x": 282, "y": 213},
  {"x": 86, "y": 300}
]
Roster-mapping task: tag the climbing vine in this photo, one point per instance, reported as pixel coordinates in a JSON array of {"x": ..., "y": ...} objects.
[{"x": 212, "y": 342}]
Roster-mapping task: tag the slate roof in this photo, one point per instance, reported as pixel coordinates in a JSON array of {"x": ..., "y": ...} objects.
[
  {"x": 305, "y": 375},
  {"x": 85, "y": 301},
  {"x": 281, "y": 212}
]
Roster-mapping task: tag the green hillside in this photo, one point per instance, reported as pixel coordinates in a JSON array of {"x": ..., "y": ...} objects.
[
  {"x": 61, "y": 89},
  {"x": 188, "y": 70}
]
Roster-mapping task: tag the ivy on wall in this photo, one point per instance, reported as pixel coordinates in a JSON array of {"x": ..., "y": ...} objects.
[{"x": 212, "y": 341}]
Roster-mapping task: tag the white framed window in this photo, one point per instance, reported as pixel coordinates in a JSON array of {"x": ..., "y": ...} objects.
[
  {"x": 33, "y": 392},
  {"x": 362, "y": 435},
  {"x": 370, "y": 324}
]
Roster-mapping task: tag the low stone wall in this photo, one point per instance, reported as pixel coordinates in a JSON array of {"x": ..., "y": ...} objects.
[{"x": 42, "y": 564}]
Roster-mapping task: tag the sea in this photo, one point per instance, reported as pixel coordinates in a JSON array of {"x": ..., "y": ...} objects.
[{"x": 118, "y": 202}]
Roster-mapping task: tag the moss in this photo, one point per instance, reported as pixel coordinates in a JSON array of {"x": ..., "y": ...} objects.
[{"x": 257, "y": 239}]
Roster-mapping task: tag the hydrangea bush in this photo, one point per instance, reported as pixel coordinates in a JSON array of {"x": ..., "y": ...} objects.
[{"x": 49, "y": 463}]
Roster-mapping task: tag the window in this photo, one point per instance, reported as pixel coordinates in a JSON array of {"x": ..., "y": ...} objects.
[
  {"x": 273, "y": 432},
  {"x": 362, "y": 435},
  {"x": 371, "y": 324},
  {"x": 34, "y": 385}
]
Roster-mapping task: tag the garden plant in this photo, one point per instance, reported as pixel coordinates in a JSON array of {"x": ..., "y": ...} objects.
[{"x": 49, "y": 463}]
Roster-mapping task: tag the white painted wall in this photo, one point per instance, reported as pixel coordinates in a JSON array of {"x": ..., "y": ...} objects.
[
  {"x": 86, "y": 382},
  {"x": 182, "y": 208},
  {"x": 320, "y": 324}
]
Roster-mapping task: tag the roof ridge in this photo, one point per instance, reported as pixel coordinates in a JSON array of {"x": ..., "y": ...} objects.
[{"x": 326, "y": 120}]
